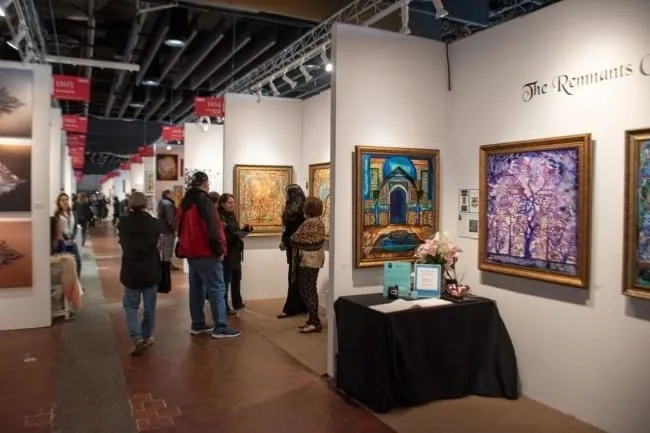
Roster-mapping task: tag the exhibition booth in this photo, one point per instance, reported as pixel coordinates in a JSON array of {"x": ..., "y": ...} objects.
[{"x": 571, "y": 77}]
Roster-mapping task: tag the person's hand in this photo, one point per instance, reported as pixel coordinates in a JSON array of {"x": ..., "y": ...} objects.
[{"x": 282, "y": 246}]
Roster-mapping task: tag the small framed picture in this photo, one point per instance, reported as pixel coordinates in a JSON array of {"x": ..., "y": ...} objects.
[{"x": 428, "y": 280}]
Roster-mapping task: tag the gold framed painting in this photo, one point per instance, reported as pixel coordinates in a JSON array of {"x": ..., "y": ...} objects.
[
  {"x": 397, "y": 202},
  {"x": 535, "y": 209},
  {"x": 260, "y": 196},
  {"x": 319, "y": 186},
  {"x": 636, "y": 262}
]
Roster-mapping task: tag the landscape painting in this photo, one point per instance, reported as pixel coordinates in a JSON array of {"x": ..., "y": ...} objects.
[
  {"x": 319, "y": 186},
  {"x": 534, "y": 212},
  {"x": 15, "y": 177},
  {"x": 397, "y": 194},
  {"x": 260, "y": 196},
  {"x": 636, "y": 264},
  {"x": 15, "y": 254},
  {"x": 16, "y": 103},
  {"x": 166, "y": 167}
]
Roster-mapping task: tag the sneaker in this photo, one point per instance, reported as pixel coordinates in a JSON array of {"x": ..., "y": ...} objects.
[
  {"x": 138, "y": 347},
  {"x": 205, "y": 329},
  {"x": 148, "y": 342},
  {"x": 310, "y": 328},
  {"x": 225, "y": 333},
  {"x": 232, "y": 312}
]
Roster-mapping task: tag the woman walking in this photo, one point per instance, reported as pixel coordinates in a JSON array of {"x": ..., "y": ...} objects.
[
  {"x": 292, "y": 218},
  {"x": 235, "y": 251},
  {"x": 82, "y": 210},
  {"x": 307, "y": 244},
  {"x": 140, "y": 272}
]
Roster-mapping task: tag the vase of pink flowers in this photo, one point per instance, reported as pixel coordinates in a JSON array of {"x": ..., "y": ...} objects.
[{"x": 441, "y": 250}]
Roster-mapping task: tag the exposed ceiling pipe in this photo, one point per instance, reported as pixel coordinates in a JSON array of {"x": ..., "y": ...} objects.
[
  {"x": 125, "y": 103},
  {"x": 196, "y": 60},
  {"x": 134, "y": 37},
  {"x": 152, "y": 50},
  {"x": 156, "y": 105},
  {"x": 90, "y": 47},
  {"x": 172, "y": 106},
  {"x": 220, "y": 61},
  {"x": 259, "y": 50}
]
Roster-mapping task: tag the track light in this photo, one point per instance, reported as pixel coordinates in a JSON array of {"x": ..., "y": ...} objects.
[
  {"x": 15, "y": 42},
  {"x": 305, "y": 73},
  {"x": 441, "y": 12},
  {"x": 326, "y": 61},
  {"x": 274, "y": 89},
  {"x": 4, "y": 6},
  {"x": 289, "y": 81},
  {"x": 259, "y": 94},
  {"x": 405, "y": 30}
]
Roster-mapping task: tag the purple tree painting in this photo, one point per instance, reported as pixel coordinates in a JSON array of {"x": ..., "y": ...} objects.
[{"x": 532, "y": 218}]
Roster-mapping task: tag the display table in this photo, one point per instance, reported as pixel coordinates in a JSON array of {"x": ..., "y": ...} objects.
[{"x": 412, "y": 357}]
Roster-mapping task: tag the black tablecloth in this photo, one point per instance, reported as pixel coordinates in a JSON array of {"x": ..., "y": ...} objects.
[{"x": 412, "y": 357}]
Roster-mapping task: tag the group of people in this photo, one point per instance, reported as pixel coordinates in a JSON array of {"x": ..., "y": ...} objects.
[{"x": 205, "y": 231}]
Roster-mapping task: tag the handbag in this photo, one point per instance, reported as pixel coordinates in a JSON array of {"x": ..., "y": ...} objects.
[
  {"x": 177, "y": 252},
  {"x": 165, "y": 284}
]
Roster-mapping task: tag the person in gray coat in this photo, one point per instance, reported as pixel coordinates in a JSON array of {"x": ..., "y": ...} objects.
[{"x": 167, "y": 220}]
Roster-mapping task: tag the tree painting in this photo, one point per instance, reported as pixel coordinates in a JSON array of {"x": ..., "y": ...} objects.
[
  {"x": 8, "y": 102},
  {"x": 532, "y": 209}
]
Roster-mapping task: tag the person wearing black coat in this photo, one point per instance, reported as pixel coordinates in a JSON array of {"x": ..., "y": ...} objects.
[
  {"x": 235, "y": 252},
  {"x": 140, "y": 272},
  {"x": 292, "y": 217},
  {"x": 81, "y": 208}
]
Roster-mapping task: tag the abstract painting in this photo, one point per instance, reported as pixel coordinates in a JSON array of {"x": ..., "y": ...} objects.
[
  {"x": 534, "y": 211},
  {"x": 16, "y": 103},
  {"x": 260, "y": 196},
  {"x": 166, "y": 167},
  {"x": 397, "y": 194},
  {"x": 15, "y": 254},
  {"x": 319, "y": 186},
  {"x": 149, "y": 182},
  {"x": 15, "y": 177},
  {"x": 636, "y": 264},
  {"x": 177, "y": 194}
]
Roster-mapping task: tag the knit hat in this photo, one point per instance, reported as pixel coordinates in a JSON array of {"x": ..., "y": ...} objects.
[{"x": 138, "y": 200}]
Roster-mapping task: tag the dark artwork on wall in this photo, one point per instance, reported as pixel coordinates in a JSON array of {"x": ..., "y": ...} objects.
[
  {"x": 15, "y": 254},
  {"x": 15, "y": 177},
  {"x": 636, "y": 263},
  {"x": 534, "y": 212},
  {"x": 166, "y": 167},
  {"x": 16, "y": 103},
  {"x": 397, "y": 202}
]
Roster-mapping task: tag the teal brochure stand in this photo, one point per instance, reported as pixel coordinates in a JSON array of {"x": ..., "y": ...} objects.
[{"x": 397, "y": 274}]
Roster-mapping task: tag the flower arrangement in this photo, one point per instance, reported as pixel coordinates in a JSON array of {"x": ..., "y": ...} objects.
[{"x": 441, "y": 250}]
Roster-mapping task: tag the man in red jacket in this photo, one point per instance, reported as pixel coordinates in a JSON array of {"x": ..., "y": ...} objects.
[{"x": 202, "y": 241}]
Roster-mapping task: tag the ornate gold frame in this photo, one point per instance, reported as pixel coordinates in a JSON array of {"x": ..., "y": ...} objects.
[
  {"x": 310, "y": 192},
  {"x": 434, "y": 154},
  {"x": 259, "y": 231},
  {"x": 584, "y": 146},
  {"x": 633, "y": 140}
]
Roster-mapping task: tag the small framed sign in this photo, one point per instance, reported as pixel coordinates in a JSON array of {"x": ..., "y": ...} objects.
[{"x": 428, "y": 280}]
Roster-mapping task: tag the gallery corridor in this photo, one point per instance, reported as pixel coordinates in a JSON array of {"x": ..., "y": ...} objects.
[{"x": 78, "y": 376}]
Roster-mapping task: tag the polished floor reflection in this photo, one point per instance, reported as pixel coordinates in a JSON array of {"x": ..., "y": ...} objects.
[{"x": 79, "y": 377}]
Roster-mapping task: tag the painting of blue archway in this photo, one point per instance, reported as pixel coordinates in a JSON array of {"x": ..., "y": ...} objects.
[{"x": 397, "y": 202}]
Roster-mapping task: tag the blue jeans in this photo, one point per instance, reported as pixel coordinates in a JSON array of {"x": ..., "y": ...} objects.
[
  {"x": 206, "y": 278},
  {"x": 131, "y": 302}
]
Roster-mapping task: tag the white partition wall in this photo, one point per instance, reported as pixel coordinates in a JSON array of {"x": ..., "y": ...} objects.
[
  {"x": 204, "y": 151},
  {"x": 137, "y": 176},
  {"x": 316, "y": 138},
  {"x": 583, "y": 352},
  {"x": 56, "y": 163},
  {"x": 388, "y": 90},
  {"x": 67, "y": 172},
  {"x": 28, "y": 306},
  {"x": 264, "y": 133}
]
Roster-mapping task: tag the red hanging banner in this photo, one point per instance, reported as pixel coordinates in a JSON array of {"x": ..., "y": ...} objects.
[
  {"x": 146, "y": 151},
  {"x": 79, "y": 175},
  {"x": 125, "y": 166},
  {"x": 76, "y": 124},
  {"x": 77, "y": 158},
  {"x": 71, "y": 88},
  {"x": 210, "y": 106},
  {"x": 76, "y": 140},
  {"x": 173, "y": 133},
  {"x": 136, "y": 159}
]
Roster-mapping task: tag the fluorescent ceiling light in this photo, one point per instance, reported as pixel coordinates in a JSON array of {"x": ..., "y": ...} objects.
[
  {"x": 175, "y": 43},
  {"x": 150, "y": 82},
  {"x": 136, "y": 104}
]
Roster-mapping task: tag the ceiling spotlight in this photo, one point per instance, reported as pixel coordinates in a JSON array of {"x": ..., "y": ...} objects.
[
  {"x": 441, "y": 12},
  {"x": 4, "y": 6},
  {"x": 178, "y": 28},
  {"x": 326, "y": 61},
  {"x": 274, "y": 89},
  {"x": 259, "y": 94},
  {"x": 405, "y": 30},
  {"x": 305, "y": 73},
  {"x": 136, "y": 104},
  {"x": 15, "y": 42},
  {"x": 289, "y": 81},
  {"x": 168, "y": 147}
]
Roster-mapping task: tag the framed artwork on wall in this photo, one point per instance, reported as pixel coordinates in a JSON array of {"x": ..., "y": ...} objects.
[
  {"x": 397, "y": 196},
  {"x": 319, "y": 186},
  {"x": 636, "y": 264},
  {"x": 15, "y": 177},
  {"x": 16, "y": 103},
  {"x": 535, "y": 209},
  {"x": 15, "y": 254},
  {"x": 149, "y": 182},
  {"x": 166, "y": 167},
  {"x": 260, "y": 196}
]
